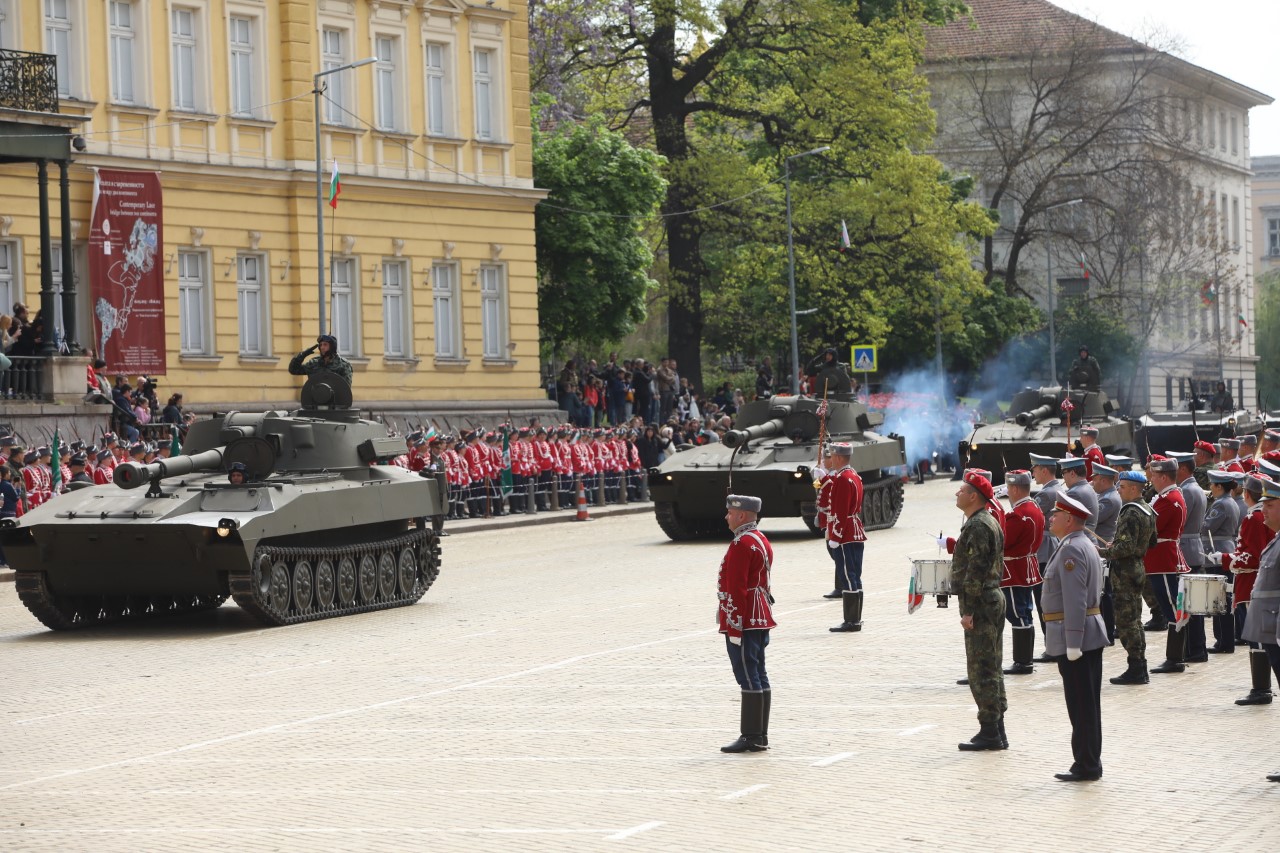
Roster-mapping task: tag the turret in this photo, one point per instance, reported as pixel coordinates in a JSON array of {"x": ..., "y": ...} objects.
[
  {"x": 739, "y": 437},
  {"x": 1037, "y": 414}
]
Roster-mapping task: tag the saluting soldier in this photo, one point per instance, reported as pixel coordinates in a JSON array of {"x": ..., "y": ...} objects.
[
  {"x": 1135, "y": 531},
  {"x": 1109, "y": 502},
  {"x": 1164, "y": 560},
  {"x": 1192, "y": 549},
  {"x": 328, "y": 359},
  {"x": 841, "y": 499},
  {"x": 745, "y": 616},
  {"x": 1023, "y": 533},
  {"x": 1218, "y": 535},
  {"x": 975, "y": 578},
  {"x": 1076, "y": 634}
]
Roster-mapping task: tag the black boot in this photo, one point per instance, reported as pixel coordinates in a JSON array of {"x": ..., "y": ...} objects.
[
  {"x": 1260, "y": 671},
  {"x": 942, "y": 600},
  {"x": 852, "y": 602},
  {"x": 1157, "y": 622},
  {"x": 1004, "y": 738},
  {"x": 1175, "y": 652},
  {"x": 834, "y": 594},
  {"x": 764, "y": 724},
  {"x": 988, "y": 737},
  {"x": 1274, "y": 777},
  {"x": 752, "y": 725},
  {"x": 1024, "y": 644},
  {"x": 1135, "y": 674},
  {"x": 1224, "y": 635}
]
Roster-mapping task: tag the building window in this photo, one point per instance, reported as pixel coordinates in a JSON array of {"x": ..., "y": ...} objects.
[
  {"x": 395, "y": 316},
  {"x": 1213, "y": 128},
  {"x": 438, "y": 86},
  {"x": 9, "y": 277},
  {"x": 186, "y": 60},
  {"x": 57, "y": 40},
  {"x": 1235, "y": 222},
  {"x": 1224, "y": 220},
  {"x": 493, "y": 312},
  {"x": 1273, "y": 242},
  {"x": 122, "y": 52},
  {"x": 486, "y": 95},
  {"x": 386, "y": 81},
  {"x": 6, "y": 27},
  {"x": 1235, "y": 135},
  {"x": 333, "y": 54},
  {"x": 345, "y": 298},
  {"x": 1222, "y": 131},
  {"x": 444, "y": 301},
  {"x": 193, "y": 338},
  {"x": 244, "y": 84},
  {"x": 251, "y": 304}
]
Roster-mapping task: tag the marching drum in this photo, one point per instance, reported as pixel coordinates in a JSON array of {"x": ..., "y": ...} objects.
[
  {"x": 1205, "y": 595},
  {"x": 931, "y": 577}
]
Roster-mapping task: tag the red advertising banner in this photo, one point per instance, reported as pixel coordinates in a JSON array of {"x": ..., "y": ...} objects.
[{"x": 126, "y": 249}]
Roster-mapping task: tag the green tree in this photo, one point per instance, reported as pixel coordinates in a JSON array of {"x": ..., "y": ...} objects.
[{"x": 593, "y": 260}]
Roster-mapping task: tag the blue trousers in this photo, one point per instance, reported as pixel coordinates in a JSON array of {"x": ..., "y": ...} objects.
[
  {"x": 848, "y": 560},
  {"x": 748, "y": 660},
  {"x": 1017, "y": 605},
  {"x": 1165, "y": 590}
]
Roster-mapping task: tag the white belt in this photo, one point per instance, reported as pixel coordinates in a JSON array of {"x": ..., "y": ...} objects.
[
  {"x": 1167, "y": 540},
  {"x": 1023, "y": 557}
]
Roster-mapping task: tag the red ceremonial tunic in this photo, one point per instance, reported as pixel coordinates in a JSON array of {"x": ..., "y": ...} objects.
[
  {"x": 474, "y": 455},
  {"x": 743, "y": 587},
  {"x": 1165, "y": 557},
  {"x": 1233, "y": 465},
  {"x": 1254, "y": 536},
  {"x": 842, "y": 505},
  {"x": 1023, "y": 531},
  {"x": 1094, "y": 456}
]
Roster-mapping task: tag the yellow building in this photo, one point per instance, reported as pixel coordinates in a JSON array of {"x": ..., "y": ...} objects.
[{"x": 430, "y": 251}]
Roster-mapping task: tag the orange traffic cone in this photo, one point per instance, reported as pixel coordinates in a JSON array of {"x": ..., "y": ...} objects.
[{"x": 583, "y": 515}]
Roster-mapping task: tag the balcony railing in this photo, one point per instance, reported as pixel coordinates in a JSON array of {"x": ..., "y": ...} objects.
[
  {"x": 24, "y": 380},
  {"x": 28, "y": 81}
]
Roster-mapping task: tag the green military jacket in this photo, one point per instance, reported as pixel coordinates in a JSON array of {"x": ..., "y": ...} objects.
[
  {"x": 336, "y": 364},
  {"x": 978, "y": 561},
  {"x": 1201, "y": 474},
  {"x": 1135, "y": 531}
]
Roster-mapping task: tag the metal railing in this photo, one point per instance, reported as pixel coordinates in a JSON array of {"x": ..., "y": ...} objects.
[
  {"x": 28, "y": 81},
  {"x": 24, "y": 380}
]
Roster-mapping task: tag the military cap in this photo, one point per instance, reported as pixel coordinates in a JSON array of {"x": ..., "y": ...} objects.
[
  {"x": 413, "y": 438},
  {"x": 79, "y": 459},
  {"x": 110, "y": 438},
  {"x": 137, "y": 448},
  {"x": 1133, "y": 476},
  {"x": 1105, "y": 471},
  {"x": 77, "y": 445},
  {"x": 1068, "y": 504},
  {"x": 1232, "y": 443},
  {"x": 1237, "y": 477},
  {"x": 1249, "y": 440},
  {"x": 1018, "y": 477},
  {"x": 1253, "y": 482},
  {"x": 1272, "y": 435},
  {"x": 1181, "y": 457},
  {"x": 1270, "y": 490},
  {"x": 982, "y": 472},
  {"x": 9, "y": 441},
  {"x": 1272, "y": 456},
  {"x": 1206, "y": 447},
  {"x": 1090, "y": 431},
  {"x": 1072, "y": 462},
  {"x": 103, "y": 455},
  {"x": 541, "y": 431},
  {"x": 979, "y": 483},
  {"x": 1043, "y": 461},
  {"x": 238, "y": 466},
  {"x": 1162, "y": 464},
  {"x": 840, "y": 448},
  {"x": 1222, "y": 478},
  {"x": 746, "y": 503},
  {"x": 43, "y": 450},
  {"x": 1269, "y": 468},
  {"x": 1119, "y": 462},
  {"x": 30, "y": 457}
]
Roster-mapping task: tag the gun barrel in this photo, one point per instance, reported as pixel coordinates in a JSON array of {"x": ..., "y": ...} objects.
[
  {"x": 131, "y": 475},
  {"x": 739, "y": 437},
  {"x": 1037, "y": 414}
]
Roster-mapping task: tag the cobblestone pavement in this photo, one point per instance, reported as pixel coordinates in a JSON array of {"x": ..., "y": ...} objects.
[{"x": 562, "y": 687}]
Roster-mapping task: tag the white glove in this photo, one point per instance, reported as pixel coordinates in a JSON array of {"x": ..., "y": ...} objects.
[
  {"x": 1074, "y": 654},
  {"x": 737, "y": 641},
  {"x": 942, "y": 541},
  {"x": 832, "y": 544}
]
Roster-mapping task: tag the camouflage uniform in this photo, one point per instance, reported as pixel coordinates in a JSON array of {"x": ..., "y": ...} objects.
[
  {"x": 1135, "y": 531},
  {"x": 1201, "y": 473},
  {"x": 336, "y": 364},
  {"x": 976, "y": 568}
]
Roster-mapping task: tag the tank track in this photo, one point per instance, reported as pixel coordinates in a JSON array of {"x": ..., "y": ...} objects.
[
  {"x": 75, "y": 612},
  {"x": 682, "y": 529},
  {"x": 882, "y": 503},
  {"x": 286, "y": 585}
]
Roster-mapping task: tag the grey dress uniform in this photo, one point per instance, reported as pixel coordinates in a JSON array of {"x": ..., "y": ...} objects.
[
  {"x": 1084, "y": 493},
  {"x": 1045, "y": 499},
  {"x": 1263, "y": 621},
  {"x": 1194, "y": 498},
  {"x": 1109, "y": 503},
  {"x": 1220, "y": 527}
]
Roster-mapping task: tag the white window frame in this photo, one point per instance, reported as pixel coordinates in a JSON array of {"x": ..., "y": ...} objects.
[
  {"x": 338, "y": 89},
  {"x": 486, "y": 92},
  {"x": 388, "y": 83},
  {"x": 64, "y": 39},
  {"x": 1273, "y": 236},
  {"x": 1235, "y": 135},
  {"x": 195, "y": 100},
  {"x": 195, "y": 302},
  {"x": 397, "y": 307},
  {"x": 122, "y": 52},
  {"x": 495, "y": 325},
  {"x": 446, "y": 309},
  {"x": 439, "y": 111},
  {"x": 253, "y": 304},
  {"x": 344, "y": 304},
  {"x": 10, "y": 274},
  {"x": 244, "y": 64}
]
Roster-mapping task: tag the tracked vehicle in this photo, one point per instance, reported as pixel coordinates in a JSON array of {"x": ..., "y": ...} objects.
[
  {"x": 319, "y": 529},
  {"x": 773, "y": 452}
]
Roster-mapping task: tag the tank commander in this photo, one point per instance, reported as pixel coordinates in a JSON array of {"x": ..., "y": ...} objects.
[
  {"x": 237, "y": 474},
  {"x": 328, "y": 359},
  {"x": 1085, "y": 372},
  {"x": 829, "y": 375}
]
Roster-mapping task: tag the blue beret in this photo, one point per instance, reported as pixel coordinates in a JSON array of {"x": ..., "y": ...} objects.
[{"x": 1133, "y": 476}]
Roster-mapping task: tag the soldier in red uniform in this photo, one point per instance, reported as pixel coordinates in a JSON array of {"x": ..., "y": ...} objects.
[
  {"x": 1023, "y": 531},
  {"x": 1243, "y": 566},
  {"x": 476, "y": 459},
  {"x": 32, "y": 480},
  {"x": 545, "y": 462},
  {"x": 1228, "y": 452},
  {"x": 1093, "y": 454},
  {"x": 1164, "y": 560},
  {"x": 841, "y": 500},
  {"x": 1248, "y": 451},
  {"x": 745, "y": 615}
]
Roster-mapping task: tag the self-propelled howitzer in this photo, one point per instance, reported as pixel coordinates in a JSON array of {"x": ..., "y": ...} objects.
[
  {"x": 773, "y": 452},
  {"x": 321, "y": 527}
]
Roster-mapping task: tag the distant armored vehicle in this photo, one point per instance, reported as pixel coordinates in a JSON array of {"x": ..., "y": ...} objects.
[
  {"x": 1190, "y": 422},
  {"x": 773, "y": 451},
  {"x": 318, "y": 528},
  {"x": 1037, "y": 423}
]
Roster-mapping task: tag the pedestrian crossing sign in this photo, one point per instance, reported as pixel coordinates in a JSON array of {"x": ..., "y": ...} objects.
[{"x": 864, "y": 359}]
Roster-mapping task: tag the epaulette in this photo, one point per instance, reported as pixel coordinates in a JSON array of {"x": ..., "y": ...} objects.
[{"x": 1141, "y": 506}]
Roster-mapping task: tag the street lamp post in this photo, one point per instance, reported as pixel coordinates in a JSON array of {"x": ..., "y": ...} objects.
[
  {"x": 791, "y": 269},
  {"x": 316, "y": 91},
  {"x": 1048, "y": 268}
]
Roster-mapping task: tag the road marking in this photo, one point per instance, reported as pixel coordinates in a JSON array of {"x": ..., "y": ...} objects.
[
  {"x": 828, "y": 761},
  {"x": 635, "y": 830},
  {"x": 736, "y": 795},
  {"x": 61, "y": 714},
  {"x": 917, "y": 730},
  {"x": 374, "y": 706}
]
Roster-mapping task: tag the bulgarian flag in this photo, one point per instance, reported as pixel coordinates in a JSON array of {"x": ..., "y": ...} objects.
[
  {"x": 335, "y": 185},
  {"x": 175, "y": 446},
  {"x": 1209, "y": 292},
  {"x": 844, "y": 237},
  {"x": 914, "y": 599},
  {"x": 1180, "y": 615},
  {"x": 1242, "y": 320}
]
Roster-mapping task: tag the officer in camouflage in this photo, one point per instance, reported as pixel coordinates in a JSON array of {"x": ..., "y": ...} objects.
[
  {"x": 976, "y": 568},
  {"x": 328, "y": 359},
  {"x": 1135, "y": 530}
]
